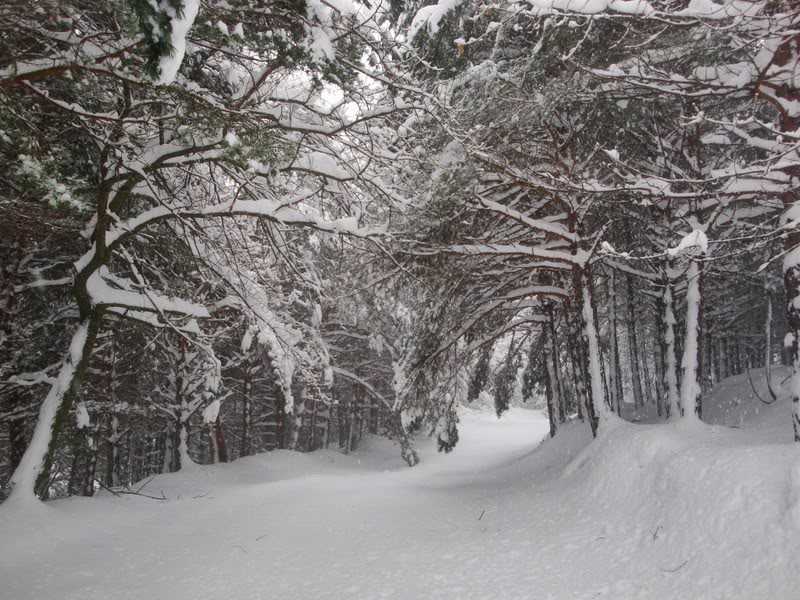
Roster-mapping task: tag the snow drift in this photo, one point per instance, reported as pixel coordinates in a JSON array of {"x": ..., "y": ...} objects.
[{"x": 645, "y": 512}]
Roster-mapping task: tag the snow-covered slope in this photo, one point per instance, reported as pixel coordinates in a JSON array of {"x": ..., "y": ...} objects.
[
  {"x": 736, "y": 402},
  {"x": 647, "y": 511}
]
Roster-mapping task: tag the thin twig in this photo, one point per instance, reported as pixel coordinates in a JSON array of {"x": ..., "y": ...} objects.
[
  {"x": 655, "y": 533},
  {"x": 130, "y": 492},
  {"x": 141, "y": 487},
  {"x": 753, "y": 387},
  {"x": 680, "y": 566}
]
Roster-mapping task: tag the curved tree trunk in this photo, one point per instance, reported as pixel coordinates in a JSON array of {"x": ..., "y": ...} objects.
[{"x": 32, "y": 474}]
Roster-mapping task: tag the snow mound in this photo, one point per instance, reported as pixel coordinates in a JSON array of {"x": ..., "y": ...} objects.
[
  {"x": 736, "y": 402},
  {"x": 704, "y": 513}
]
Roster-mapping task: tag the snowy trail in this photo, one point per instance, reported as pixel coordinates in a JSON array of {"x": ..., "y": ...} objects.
[{"x": 496, "y": 519}]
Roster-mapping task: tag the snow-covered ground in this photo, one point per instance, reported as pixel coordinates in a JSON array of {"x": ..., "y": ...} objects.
[{"x": 646, "y": 511}]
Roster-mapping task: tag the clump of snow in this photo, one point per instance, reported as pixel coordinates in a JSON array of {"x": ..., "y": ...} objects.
[
  {"x": 454, "y": 153},
  {"x": 181, "y": 24},
  {"x": 399, "y": 378},
  {"x": 607, "y": 248},
  {"x": 82, "y": 416},
  {"x": 232, "y": 139},
  {"x": 695, "y": 240},
  {"x": 211, "y": 412},
  {"x": 192, "y": 326},
  {"x": 430, "y": 17}
]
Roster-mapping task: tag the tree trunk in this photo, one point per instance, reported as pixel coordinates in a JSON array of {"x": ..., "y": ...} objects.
[
  {"x": 312, "y": 442},
  {"x": 298, "y": 421},
  {"x": 577, "y": 364},
  {"x": 114, "y": 455},
  {"x": 93, "y": 446},
  {"x": 648, "y": 389},
  {"x": 281, "y": 418},
  {"x": 733, "y": 355},
  {"x": 407, "y": 451},
  {"x": 551, "y": 381},
  {"x": 246, "y": 447},
  {"x": 791, "y": 277},
  {"x": 614, "y": 372},
  {"x": 32, "y": 474},
  {"x": 633, "y": 348},
  {"x": 713, "y": 343},
  {"x": 670, "y": 380},
  {"x": 725, "y": 367},
  {"x": 181, "y": 403},
  {"x": 74, "y": 481},
  {"x": 16, "y": 439},
  {"x": 182, "y": 441},
  {"x": 691, "y": 407},
  {"x": 8, "y": 339},
  {"x": 596, "y": 403},
  {"x": 373, "y": 416},
  {"x": 113, "y": 468},
  {"x": 658, "y": 362},
  {"x": 562, "y": 389},
  {"x": 330, "y": 414},
  {"x": 768, "y": 340},
  {"x": 168, "y": 448},
  {"x": 217, "y": 440}
]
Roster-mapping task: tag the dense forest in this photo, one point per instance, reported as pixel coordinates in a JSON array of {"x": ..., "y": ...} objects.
[{"x": 228, "y": 227}]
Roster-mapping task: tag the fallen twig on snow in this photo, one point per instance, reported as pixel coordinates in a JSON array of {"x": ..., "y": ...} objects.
[
  {"x": 655, "y": 533},
  {"x": 130, "y": 492},
  {"x": 680, "y": 566}
]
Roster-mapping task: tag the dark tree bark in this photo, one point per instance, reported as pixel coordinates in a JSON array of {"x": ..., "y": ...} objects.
[
  {"x": 218, "y": 440},
  {"x": 246, "y": 446},
  {"x": 633, "y": 347},
  {"x": 550, "y": 377},
  {"x": 614, "y": 371},
  {"x": 8, "y": 326},
  {"x": 648, "y": 389}
]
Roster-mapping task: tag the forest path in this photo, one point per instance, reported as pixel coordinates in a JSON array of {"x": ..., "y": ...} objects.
[{"x": 496, "y": 519}]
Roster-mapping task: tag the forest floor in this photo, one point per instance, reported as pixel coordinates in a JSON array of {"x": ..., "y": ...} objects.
[{"x": 646, "y": 511}]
